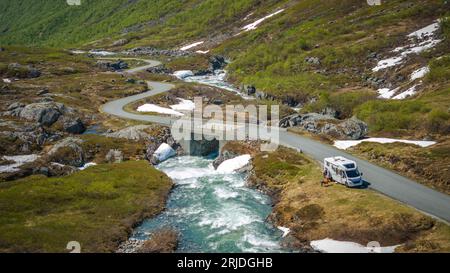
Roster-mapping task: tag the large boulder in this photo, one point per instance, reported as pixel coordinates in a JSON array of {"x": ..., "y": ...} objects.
[
  {"x": 217, "y": 62},
  {"x": 22, "y": 71},
  {"x": 45, "y": 113},
  {"x": 327, "y": 125},
  {"x": 73, "y": 125},
  {"x": 136, "y": 133},
  {"x": 69, "y": 151},
  {"x": 112, "y": 65},
  {"x": 164, "y": 152}
]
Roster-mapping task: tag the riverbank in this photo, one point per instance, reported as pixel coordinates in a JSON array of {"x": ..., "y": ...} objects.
[
  {"x": 97, "y": 207},
  {"x": 312, "y": 212}
]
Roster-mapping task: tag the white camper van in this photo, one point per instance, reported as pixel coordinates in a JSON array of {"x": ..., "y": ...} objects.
[{"x": 343, "y": 171}]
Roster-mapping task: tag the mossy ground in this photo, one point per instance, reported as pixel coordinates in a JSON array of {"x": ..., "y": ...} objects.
[
  {"x": 96, "y": 207},
  {"x": 314, "y": 212}
]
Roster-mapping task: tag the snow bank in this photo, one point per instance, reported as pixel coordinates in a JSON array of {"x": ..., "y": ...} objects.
[
  {"x": 285, "y": 231},
  {"x": 102, "y": 53},
  {"x": 255, "y": 24},
  {"x": 232, "y": 165},
  {"x": 345, "y": 144},
  {"x": 386, "y": 93},
  {"x": 426, "y": 41},
  {"x": 408, "y": 93},
  {"x": 87, "y": 165},
  {"x": 184, "y": 48},
  {"x": 153, "y": 108},
  {"x": 420, "y": 73},
  {"x": 202, "y": 52},
  {"x": 76, "y": 51},
  {"x": 383, "y": 64},
  {"x": 181, "y": 74},
  {"x": 333, "y": 246},
  {"x": 184, "y": 105},
  {"x": 18, "y": 160},
  {"x": 164, "y": 152}
]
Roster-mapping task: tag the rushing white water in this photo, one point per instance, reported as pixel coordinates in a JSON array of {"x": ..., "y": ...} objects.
[{"x": 214, "y": 211}]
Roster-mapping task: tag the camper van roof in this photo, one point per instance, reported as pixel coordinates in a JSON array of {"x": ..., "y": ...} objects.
[{"x": 341, "y": 161}]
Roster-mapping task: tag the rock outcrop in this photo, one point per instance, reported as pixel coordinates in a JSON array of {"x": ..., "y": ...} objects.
[
  {"x": 69, "y": 151},
  {"x": 22, "y": 71},
  {"x": 112, "y": 65},
  {"x": 151, "y": 51},
  {"x": 47, "y": 113},
  {"x": 352, "y": 128}
]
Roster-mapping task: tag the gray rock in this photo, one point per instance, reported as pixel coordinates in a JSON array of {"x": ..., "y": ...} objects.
[
  {"x": 312, "y": 60},
  {"x": 69, "y": 151},
  {"x": 46, "y": 113},
  {"x": 15, "y": 105},
  {"x": 151, "y": 51},
  {"x": 326, "y": 125},
  {"x": 42, "y": 92},
  {"x": 136, "y": 133},
  {"x": 73, "y": 125},
  {"x": 120, "y": 42},
  {"x": 112, "y": 65},
  {"x": 114, "y": 156},
  {"x": 160, "y": 69},
  {"x": 22, "y": 71}
]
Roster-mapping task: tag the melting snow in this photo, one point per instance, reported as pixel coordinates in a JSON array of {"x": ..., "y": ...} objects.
[
  {"x": 184, "y": 48},
  {"x": 255, "y": 24},
  {"x": 153, "y": 108},
  {"x": 77, "y": 51},
  {"x": 345, "y": 144},
  {"x": 426, "y": 41},
  {"x": 232, "y": 165},
  {"x": 420, "y": 73},
  {"x": 333, "y": 246},
  {"x": 18, "y": 160},
  {"x": 410, "y": 92},
  {"x": 87, "y": 165},
  {"x": 181, "y": 74},
  {"x": 164, "y": 152},
  {"x": 386, "y": 93},
  {"x": 7, "y": 81},
  {"x": 285, "y": 231},
  {"x": 202, "y": 52},
  {"x": 184, "y": 105},
  {"x": 102, "y": 52}
]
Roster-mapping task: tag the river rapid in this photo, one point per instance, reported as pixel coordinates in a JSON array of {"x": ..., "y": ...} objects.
[{"x": 213, "y": 211}]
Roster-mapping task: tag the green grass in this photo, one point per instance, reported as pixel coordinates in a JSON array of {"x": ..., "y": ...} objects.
[{"x": 96, "y": 207}]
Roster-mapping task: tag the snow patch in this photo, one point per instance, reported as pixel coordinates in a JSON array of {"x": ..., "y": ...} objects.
[
  {"x": 153, "y": 108},
  {"x": 184, "y": 105},
  {"x": 285, "y": 231},
  {"x": 76, "y": 51},
  {"x": 333, "y": 246},
  {"x": 386, "y": 93},
  {"x": 184, "y": 48},
  {"x": 345, "y": 144},
  {"x": 7, "y": 81},
  {"x": 102, "y": 53},
  {"x": 255, "y": 24},
  {"x": 182, "y": 74},
  {"x": 18, "y": 160},
  {"x": 87, "y": 165},
  {"x": 426, "y": 41},
  {"x": 164, "y": 152},
  {"x": 420, "y": 73},
  {"x": 408, "y": 93},
  {"x": 232, "y": 165},
  {"x": 202, "y": 52}
]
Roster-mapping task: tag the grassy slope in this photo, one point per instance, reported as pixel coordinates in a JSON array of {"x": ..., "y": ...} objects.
[
  {"x": 97, "y": 207},
  {"x": 314, "y": 212}
]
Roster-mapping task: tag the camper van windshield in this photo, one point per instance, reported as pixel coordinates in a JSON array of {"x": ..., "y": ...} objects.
[{"x": 352, "y": 174}]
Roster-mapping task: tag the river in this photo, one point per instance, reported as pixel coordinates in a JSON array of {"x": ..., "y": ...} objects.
[{"x": 213, "y": 212}]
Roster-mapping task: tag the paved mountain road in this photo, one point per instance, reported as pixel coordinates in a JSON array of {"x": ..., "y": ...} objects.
[{"x": 385, "y": 181}]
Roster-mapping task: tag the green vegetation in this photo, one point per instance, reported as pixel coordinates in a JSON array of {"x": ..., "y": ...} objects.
[
  {"x": 96, "y": 207},
  {"x": 425, "y": 165},
  {"x": 313, "y": 212}
]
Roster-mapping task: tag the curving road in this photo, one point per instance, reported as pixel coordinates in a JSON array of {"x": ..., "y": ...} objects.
[{"x": 385, "y": 181}]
